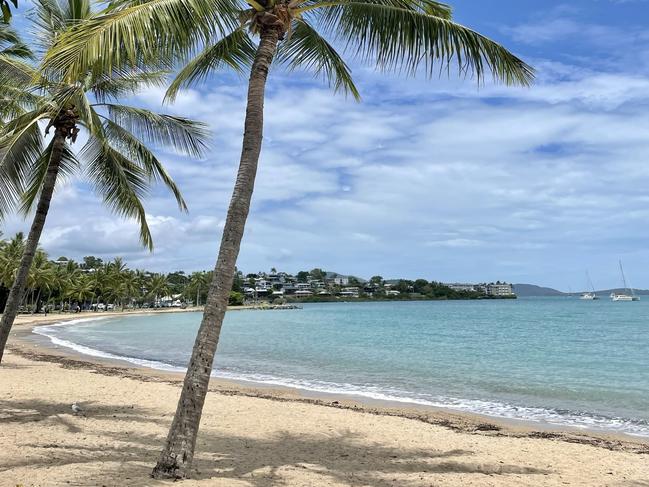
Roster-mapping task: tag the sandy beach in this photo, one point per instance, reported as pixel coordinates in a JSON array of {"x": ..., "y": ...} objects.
[{"x": 266, "y": 437}]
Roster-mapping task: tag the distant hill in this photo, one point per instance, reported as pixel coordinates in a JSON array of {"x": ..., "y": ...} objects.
[
  {"x": 641, "y": 292},
  {"x": 523, "y": 290}
]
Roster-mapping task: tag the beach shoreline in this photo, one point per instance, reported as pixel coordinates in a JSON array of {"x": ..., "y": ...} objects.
[
  {"x": 256, "y": 435},
  {"x": 39, "y": 347}
]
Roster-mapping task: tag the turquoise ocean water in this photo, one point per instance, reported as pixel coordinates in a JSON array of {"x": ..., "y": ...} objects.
[{"x": 554, "y": 360}]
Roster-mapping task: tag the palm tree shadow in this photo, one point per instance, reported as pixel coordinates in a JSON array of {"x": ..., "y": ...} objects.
[
  {"x": 14, "y": 411},
  {"x": 344, "y": 457}
]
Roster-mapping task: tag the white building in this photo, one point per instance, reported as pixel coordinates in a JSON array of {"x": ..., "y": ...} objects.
[
  {"x": 351, "y": 292},
  {"x": 263, "y": 286},
  {"x": 500, "y": 290},
  {"x": 456, "y": 286},
  {"x": 341, "y": 280}
]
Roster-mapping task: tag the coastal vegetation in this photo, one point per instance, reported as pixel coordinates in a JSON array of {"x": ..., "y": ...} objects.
[
  {"x": 42, "y": 116},
  {"x": 92, "y": 284},
  {"x": 402, "y": 36}
]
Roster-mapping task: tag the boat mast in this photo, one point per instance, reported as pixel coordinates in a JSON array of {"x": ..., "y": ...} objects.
[
  {"x": 624, "y": 280},
  {"x": 590, "y": 282}
]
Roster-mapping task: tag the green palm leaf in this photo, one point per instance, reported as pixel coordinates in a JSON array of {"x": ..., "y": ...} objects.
[
  {"x": 119, "y": 85},
  {"x": 67, "y": 166},
  {"x": 307, "y": 49},
  {"x": 20, "y": 147},
  {"x": 140, "y": 32},
  {"x": 396, "y": 38},
  {"x": 121, "y": 184},
  {"x": 235, "y": 50},
  {"x": 179, "y": 133},
  {"x": 127, "y": 143}
]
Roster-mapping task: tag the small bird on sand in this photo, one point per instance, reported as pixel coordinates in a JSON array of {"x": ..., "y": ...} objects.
[{"x": 76, "y": 409}]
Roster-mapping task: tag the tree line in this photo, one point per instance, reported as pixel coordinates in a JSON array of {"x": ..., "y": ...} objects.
[{"x": 65, "y": 284}]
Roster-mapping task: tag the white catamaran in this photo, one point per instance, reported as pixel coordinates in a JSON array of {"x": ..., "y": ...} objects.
[
  {"x": 589, "y": 296},
  {"x": 628, "y": 295}
]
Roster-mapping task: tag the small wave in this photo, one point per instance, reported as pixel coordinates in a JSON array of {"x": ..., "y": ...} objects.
[
  {"x": 487, "y": 408},
  {"x": 555, "y": 417},
  {"x": 50, "y": 330}
]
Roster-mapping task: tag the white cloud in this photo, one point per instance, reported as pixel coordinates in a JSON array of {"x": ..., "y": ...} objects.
[{"x": 432, "y": 179}]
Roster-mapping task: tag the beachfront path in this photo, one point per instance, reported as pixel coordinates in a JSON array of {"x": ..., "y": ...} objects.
[{"x": 250, "y": 441}]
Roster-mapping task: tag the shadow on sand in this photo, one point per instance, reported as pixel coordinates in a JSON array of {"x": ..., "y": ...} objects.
[{"x": 342, "y": 457}]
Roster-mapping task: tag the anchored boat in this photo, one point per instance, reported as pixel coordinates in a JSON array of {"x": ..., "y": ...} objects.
[
  {"x": 629, "y": 294},
  {"x": 589, "y": 296}
]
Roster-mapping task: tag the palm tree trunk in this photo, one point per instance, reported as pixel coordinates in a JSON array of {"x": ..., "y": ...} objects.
[
  {"x": 176, "y": 458},
  {"x": 36, "y": 301},
  {"x": 18, "y": 287}
]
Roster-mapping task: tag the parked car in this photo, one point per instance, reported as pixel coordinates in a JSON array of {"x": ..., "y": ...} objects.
[
  {"x": 101, "y": 307},
  {"x": 110, "y": 307}
]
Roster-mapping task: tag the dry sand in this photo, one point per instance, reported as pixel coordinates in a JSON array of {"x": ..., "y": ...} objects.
[{"x": 263, "y": 437}]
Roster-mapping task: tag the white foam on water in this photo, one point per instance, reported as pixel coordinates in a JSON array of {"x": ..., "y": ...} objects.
[
  {"x": 488, "y": 408},
  {"x": 49, "y": 331}
]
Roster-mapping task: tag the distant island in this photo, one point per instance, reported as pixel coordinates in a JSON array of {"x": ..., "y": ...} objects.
[{"x": 531, "y": 290}]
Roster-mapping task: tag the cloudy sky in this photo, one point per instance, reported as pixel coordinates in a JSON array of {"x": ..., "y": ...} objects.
[{"x": 437, "y": 178}]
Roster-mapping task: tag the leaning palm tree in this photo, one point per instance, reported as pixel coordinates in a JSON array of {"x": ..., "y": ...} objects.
[
  {"x": 410, "y": 36},
  {"x": 115, "y": 158}
]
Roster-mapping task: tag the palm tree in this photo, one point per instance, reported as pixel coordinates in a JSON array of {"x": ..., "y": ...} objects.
[
  {"x": 117, "y": 161},
  {"x": 81, "y": 290},
  {"x": 40, "y": 278},
  {"x": 10, "y": 258},
  {"x": 197, "y": 284},
  {"x": 158, "y": 287},
  {"x": 129, "y": 287},
  {"x": 398, "y": 35}
]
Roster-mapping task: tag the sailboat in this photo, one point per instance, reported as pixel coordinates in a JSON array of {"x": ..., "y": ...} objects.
[
  {"x": 589, "y": 296},
  {"x": 624, "y": 296}
]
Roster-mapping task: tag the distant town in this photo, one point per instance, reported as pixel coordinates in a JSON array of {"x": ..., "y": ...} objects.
[{"x": 319, "y": 285}]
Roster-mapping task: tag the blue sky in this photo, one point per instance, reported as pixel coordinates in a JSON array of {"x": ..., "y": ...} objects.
[{"x": 424, "y": 178}]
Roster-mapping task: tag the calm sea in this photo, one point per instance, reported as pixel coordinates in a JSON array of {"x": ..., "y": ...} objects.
[{"x": 555, "y": 360}]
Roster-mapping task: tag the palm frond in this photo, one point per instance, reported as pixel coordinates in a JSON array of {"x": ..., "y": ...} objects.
[
  {"x": 121, "y": 184},
  {"x": 48, "y": 19},
  {"x": 307, "y": 49},
  {"x": 134, "y": 149},
  {"x": 235, "y": 50},
  {"x": 15, "y": 101},
  {"x": 139, "y": 32},
  {"x": 20, "y": 148},
  {"x": 120, "y": 85},
  {"x": 187, "y": 136},
  {"x": 403, "y": 38},
  {"x": 14, "y": 71},
  {"x": 76, "y": 10},
  {"x": 67, "y": 166},
  {"x": 11, "y": 44},
  {"x": 430, "y": 7}
]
